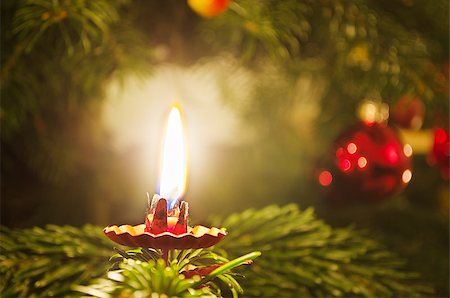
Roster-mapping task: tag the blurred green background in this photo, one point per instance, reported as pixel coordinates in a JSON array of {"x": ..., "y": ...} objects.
[{"x": 265, "y": 88}]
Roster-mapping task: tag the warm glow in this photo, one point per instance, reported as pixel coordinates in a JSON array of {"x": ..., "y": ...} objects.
[
  {"x": 407, "y": 175},
  {"x": 362, "y": 162},
  {"x": 325, "y": 178},
  {"x": 368, "y": 112},
  {"x": 174, "y": 169},
  {"x": 407, "y": 150},
  {"x": 373, "y": 111},
  {"x": 351, "y": 148}
]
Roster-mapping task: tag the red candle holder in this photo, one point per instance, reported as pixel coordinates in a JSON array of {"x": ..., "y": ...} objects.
[{"x": 165, "y": 230}]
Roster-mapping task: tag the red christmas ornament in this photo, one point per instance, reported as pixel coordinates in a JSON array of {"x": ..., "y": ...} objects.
[
  {"x": 441, "y": 151},
  {"x": 370, "y": 164},
  {"x": 208, "y": 8},
  {"x": 409, "y": 112}
]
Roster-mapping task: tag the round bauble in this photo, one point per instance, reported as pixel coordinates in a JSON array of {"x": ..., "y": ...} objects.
[
  {"x": 208, "y": 8},
  {"x": 370, "y": 164}
]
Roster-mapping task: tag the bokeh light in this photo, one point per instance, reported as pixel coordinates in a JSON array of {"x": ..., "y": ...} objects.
[
  {"x": 407, "y": 150},
  {"x": 351, "y": 148},
  {"x": 407, "y": 175},
  {"x": 362, "y": 162},
  {"x": 325, "y": 178}
]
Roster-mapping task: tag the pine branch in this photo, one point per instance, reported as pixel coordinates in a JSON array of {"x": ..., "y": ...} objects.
[
  {"x": 46, "y": 262},
  {"x": 62, "y": 261},
  {"x": 81, "y": 44},
  {"x": 361, "y": 50},
  {"x": 302, "y": 256}
]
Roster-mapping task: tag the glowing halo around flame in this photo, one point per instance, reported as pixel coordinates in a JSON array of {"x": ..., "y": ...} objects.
[
  {"x": 173, "y": 176},
  {"x": 164, "y": 228}
]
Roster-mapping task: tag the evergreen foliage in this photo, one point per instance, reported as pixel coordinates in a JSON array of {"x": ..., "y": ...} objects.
[
  {"x": 45, "y": 262},
  {"x": 360, "y": 47},
  {"x": 301, "y": 255},
  {"x": 56, "y": 58},
  {"x": 60, "y": 261},
  {"x": 74, "y": 35}
]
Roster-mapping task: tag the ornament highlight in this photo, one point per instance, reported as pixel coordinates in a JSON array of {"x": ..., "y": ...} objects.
[{"x": 373, "y": 111}]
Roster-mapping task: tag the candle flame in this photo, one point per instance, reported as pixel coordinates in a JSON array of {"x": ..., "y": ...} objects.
[{"x": 174, "y": 168}]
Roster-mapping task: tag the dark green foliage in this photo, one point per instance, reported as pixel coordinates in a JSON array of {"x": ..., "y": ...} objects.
[
  {"x": 41, "y": 262},
  {"x": 78, "y": 22},
  {"x": 60, "y": 261},
  {"x": 56, "y": 58},
  {"x": 304, "y": 257},
  {"x": 78, "y": 46},
  {"x": 301, "y": 255},
  {"x": 358, "y": 46}
]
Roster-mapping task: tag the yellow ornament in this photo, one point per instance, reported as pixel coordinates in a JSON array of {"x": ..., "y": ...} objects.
[{"x": 208, "y": 8}]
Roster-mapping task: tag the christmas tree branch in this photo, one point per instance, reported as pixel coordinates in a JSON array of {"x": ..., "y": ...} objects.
[
  {"x": 46, "y": 262},
  {"x": 301, "y": 255}
]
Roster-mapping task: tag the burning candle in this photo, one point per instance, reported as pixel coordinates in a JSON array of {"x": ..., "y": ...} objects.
[
  {"x": 173, "y": 174},
  {"x": 166, "y": 225}
]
